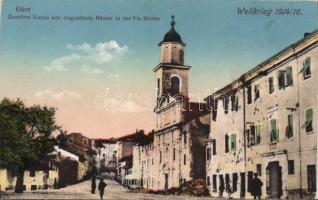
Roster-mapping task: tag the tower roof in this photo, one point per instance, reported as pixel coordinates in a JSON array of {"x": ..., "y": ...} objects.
[{"x": 172, "y": 35}]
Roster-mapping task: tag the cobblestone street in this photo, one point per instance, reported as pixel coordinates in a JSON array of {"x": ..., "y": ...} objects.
[{"x": 82, "y": 191}]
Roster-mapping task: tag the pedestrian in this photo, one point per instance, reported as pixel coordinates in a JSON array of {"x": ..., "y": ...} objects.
[
  {"x": 256, "y": 187},
  {"x": 101, "y": 188},
  {"x": 93, "y": 186}
]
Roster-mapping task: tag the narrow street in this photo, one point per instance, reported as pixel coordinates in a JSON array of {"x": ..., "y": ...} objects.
[{"x": 82, "y": 191}]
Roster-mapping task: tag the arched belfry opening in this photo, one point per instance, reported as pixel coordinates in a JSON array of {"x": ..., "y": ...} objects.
[{"x": 175, "y": 83}]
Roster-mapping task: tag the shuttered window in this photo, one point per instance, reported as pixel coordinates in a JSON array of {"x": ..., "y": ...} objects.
[
  {"x": 271, "y": 85},
  {"x": 256, "y": 92},
  {"x": 233, "y": 142},
  {"x": 273, "y": 131},
  {"x": 289, "y": 76},
  {"x": 289, "y": 127},
  {"x": 309, "y": 117},
  {"x": 307, "y": 68},
  {"x": 281, "y": 79},
  {"x": 226, "y": 143}
]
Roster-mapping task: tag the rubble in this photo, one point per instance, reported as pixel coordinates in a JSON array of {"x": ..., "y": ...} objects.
[{"x": 192, "y": 188}]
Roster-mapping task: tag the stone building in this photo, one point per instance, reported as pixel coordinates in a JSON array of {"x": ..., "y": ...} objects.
[
  {"x": 124, "y": 147},
  {"x": 225, "y": 150},
  {"x": 265, "y": 123},
  {"x": 181, "y": 126},
  {"x": 106, "y": 156},
  {"x": 142, "y": 153},
  {"x": 44, "y": 176}
]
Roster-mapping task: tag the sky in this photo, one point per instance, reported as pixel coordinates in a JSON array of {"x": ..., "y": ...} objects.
[{"x": 99, "y": 74}]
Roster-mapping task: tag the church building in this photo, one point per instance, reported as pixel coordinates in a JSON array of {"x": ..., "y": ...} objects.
[{"x": 178, "y": 150}]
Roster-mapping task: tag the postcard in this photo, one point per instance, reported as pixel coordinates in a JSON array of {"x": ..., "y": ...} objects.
[{"x": 145, "y": 99}]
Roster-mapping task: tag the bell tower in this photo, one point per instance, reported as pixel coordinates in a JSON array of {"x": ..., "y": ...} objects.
[{"x": 171, "y": 73}]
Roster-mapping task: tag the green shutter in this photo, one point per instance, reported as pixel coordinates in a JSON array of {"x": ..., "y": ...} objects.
[
  {"x": 309, "y": 118},
  {"x": 306, "y": 65},
  {"x": 281, "y": 79},
  {"x": 289, "y": 128},
  {"x": 258, "y": 134},
  {"x": 274, "y": 131},
  {"x": 256, "y": 92},
  {"x": 233, "y": 142},
  {"x": 236, "y": 102},
  {"x": 289, "y": 76},
  {"x": 271, "y": 85},
  {"x": 309, "y": 114}
]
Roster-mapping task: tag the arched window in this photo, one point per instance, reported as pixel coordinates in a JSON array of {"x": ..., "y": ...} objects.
[
  {"x": 158, "y": 87},
  {"x": 175, "y": 83}
]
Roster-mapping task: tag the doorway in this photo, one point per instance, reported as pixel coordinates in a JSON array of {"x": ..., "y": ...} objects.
[
  {"x": 242, "y": 194},
  {"x": 274, "y": 180},
  {"x": 166, "y": 181}
]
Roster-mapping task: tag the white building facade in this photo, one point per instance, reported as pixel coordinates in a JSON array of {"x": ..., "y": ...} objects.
[{"x": 275, "y": 127}]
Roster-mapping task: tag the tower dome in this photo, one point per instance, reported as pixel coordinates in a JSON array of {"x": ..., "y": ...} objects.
[{"x": 172, "y": 35}]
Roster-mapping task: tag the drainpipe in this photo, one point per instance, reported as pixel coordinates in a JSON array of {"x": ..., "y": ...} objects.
[
  {"x": 316, "y": 196},
  {"x": 299, "y": 131},
  {"x": 244, "y": 135}
]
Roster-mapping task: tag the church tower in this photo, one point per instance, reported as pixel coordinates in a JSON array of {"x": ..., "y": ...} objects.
[{"x": 171, "y": 73}]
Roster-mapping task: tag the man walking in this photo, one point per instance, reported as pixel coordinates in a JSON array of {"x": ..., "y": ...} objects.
[
  {"x": 93, "y": 186},
  {"x": 101, "y": 188},
  {"x": 256, "y": 189}
]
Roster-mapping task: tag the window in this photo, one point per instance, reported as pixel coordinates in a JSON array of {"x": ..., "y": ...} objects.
[
  {"x": 185, "y": 137},
  {"x": 184, "y": 159},
  {"x": 259, "y": 169},
  {"x": 174, "y": 154},
  {"x": 252, "y": 134},
  {"x": 227, "y": 182},
  {"x": 234, "y": 102},
  {"x": 289, "y": 76},
  {"x": 175, "y": 84},
  {"x": 160, "y": 159},
  {"x": 281, "y": 79},
  {"x": 214, "y": 186},
  {"x": 152, "y": 161},
  {"x": 158, "y": 87},
  {"x": 214, "y": 147},
  {"x": 226, "y": 104},
  {"x": 32, "y": 173},
  {"x": 258, "y": 135},
  {"x": 307, "y": 68},
  {"x": 289, "y": 127},
  {"x": 208, "y": 181},
  {"x": 33, "y": 187},
  {"x": 235, "y": 178},
  {"x": 226, "y": 143},
  {"x": 249, "y": 94},
  {"x": 256, "y": 92},
  {"x": 308, "y": 123},
  {"x": 311, "y": 178},
  {"x": 291, "y": 167},
  {"x": 273, "y": 131},
  {"x": 208, "y": 154},
  {"x": 233, "y": 142},
  {"x": 271, "y": 85}
]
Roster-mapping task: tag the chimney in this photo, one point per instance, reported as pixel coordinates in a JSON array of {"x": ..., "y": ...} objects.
[{"x": 306, "y": 35}]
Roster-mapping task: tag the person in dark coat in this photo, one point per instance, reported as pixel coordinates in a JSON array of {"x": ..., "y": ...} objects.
[
  {"x": 93, "y": 186},
  {"x": 256, "y": 185},
  {"x": 101, "y": 188}
]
